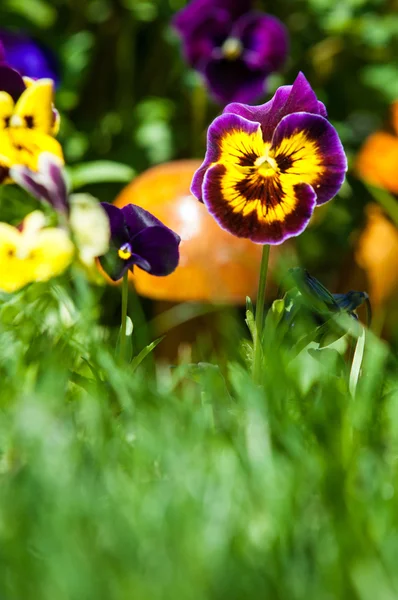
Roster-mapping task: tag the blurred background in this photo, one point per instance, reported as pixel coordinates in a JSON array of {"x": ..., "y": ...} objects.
[{"x": 126, "y": 95}]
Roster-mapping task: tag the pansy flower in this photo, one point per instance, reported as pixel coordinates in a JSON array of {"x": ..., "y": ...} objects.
[
  {"x": 32, "y": 252},
  {"x": 267, "y": 167},
  {"x": 138, "y": 238},
  {"x": 27, "y": 56},
  {"x": 28, "y": 120},
  {"x": 233, "y": 47}
]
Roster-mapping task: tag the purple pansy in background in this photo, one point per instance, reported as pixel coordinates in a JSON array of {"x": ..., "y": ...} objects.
[
  {"x": 27, "y": 56},
  {"x": 267, "y": 167},
  {"x": 138, "y": 238},
  {"x": 233, "y": 47},
  {"x": 47, "y": 183}
]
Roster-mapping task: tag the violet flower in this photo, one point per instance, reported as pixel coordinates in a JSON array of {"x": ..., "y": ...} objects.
[
  {"x": 138, "y": 238},
  {"x": 27, "y": 56},
  {"x": 267, "y": 167},
  {"x": 233, "y": 47}
]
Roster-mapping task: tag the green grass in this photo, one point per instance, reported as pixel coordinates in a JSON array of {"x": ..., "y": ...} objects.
[{"x": 190, "y": 482}]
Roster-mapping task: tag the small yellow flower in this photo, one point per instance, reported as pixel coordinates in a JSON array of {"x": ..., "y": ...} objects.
[
  {"x": 33, "y": 253},
  {"x": 27, "y": 126}
]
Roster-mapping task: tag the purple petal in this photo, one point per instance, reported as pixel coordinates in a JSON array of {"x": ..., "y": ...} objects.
[
  {"x": 234, "y": 81},
  {"x": 187, "y": 19},
  {"x": 308, "y": 150},
  {"x": 47, "y": 183},
  {"x": 119, "y": 232},
  {"x": 288, "y": 99},
  {"x": 11, "y": 82},
  {"x": 137, "y": 219},
  {"x": 28, "y": 57},
  {"x": 207, "y": 32},
  {"x": 264, "y": 39},
  {"x": 158, "y": 246},
  {"x": 27, "y": 180},
  {"x": 2, "y": 53},
  {"x": 222, "y": 128},
  {"x": 258, "y": 208}
]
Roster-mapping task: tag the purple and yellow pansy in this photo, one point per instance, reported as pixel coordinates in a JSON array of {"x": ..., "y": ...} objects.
[
  {"x": 267, "y": 167},
  {"x": 28, "y": 120},
  {"x": 234, "y": 47}
]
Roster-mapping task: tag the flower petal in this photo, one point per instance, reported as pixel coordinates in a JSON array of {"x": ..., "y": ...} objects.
[
  {"x": 187, "y": 19},
  {"x": 232, "y": 139},
  {"x": 234, "y": 81},
  {"x": 288, "y": 99},
  {"x": 259, "y": 208},
  {"x": 27, "y": 56},
  {"x": 158, "y": 246},
  {"x": 264, "y": 39},
  {"x": 51, "y": 254},
  {"x": 118, "y": 230},
  {"x": 13, "y": 273},
  {"x": 11, "y": 82},
  {"x": 29, "y": 144},
  {"x": 34, "y": 108},
  {"x": 47, "y": 183},
  {"x": 209, "y": 31},
  {"x": 137, "y": 219},
  {"x": 308, "y": 150}
]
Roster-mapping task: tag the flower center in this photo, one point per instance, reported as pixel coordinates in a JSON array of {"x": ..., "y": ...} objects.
[
  {"x": 125, "y": 251},
  {"x": 266, "y": 166},
  {"x": 232, "y": 48}
]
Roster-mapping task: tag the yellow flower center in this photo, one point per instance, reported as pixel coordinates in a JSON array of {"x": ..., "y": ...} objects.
[
  {"x": 232, "y": 48},
  {"x": 266, "y": 166},
  {"x": 125, "y": 252}
]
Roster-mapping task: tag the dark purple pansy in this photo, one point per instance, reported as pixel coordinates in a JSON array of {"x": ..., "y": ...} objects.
[
  {"x": 233, "y": 47},
  {"x": 28, "y": 57},
  {"x": 138, "y": 238},
  {"x": 267, "y": 167}
]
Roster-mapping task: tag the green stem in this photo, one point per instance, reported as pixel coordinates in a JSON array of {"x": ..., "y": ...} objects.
[
  {"x": 258, "y": 350},
  {"x": 123, "y": 337}
]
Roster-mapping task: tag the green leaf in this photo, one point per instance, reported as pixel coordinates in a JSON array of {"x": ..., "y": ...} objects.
[
  {"x": 99, "y": 171},
  {"x": 137, "y": 360},
  {"x": 357, "y": 362},
  {"x": 250, "y": 320}
]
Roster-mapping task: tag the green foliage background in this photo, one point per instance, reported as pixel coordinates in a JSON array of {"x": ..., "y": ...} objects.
[{"x": 189, "y": 481}]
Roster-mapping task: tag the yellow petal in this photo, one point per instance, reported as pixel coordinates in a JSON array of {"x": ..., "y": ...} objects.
[
  {"x": 14, "y": 274},
  {"x": 6, "y": 109},
  {"x": 29, "y": 144},
  {"x": 51, "y": 255},
  {"x": 34, "y": 107}
]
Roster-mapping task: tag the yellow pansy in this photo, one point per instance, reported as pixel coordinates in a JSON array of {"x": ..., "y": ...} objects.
[
  {"x": 27, "y": 126},
  {"x": 34, "y": 253}
]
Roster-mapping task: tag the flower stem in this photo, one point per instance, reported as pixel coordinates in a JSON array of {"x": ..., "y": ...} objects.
[
  {"x": 123, "y": 337},
  {"x": 257, "y": 359}
]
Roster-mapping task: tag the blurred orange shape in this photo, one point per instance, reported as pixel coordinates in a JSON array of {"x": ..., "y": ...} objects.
[
  {"x": 214, "y": 265},
  {"x": 377, "y": 162},
  {"x": 377, "y": 254}
]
